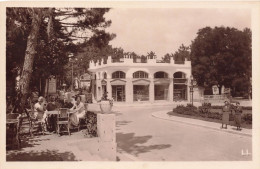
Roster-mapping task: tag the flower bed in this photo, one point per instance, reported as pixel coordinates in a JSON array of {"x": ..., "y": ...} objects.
[
  {"x": 210, "y": 113},
  {"x": 91, "y": 121}
]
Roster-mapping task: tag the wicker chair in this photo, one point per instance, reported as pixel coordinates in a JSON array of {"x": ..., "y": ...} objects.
[{"x": 63, "y": 120}]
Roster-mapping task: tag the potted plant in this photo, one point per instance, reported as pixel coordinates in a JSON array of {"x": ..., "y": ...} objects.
[{"x": 105, "y": 104}]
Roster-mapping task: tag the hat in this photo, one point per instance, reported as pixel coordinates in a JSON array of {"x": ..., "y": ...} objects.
[{"x": 40, "y": 98}]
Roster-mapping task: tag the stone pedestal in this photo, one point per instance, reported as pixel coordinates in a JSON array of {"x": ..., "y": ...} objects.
[
  {"x": 106, "y": 130},
  {"x": 106, "y": 127}
]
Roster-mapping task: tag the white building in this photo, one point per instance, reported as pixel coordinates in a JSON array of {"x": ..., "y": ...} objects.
[{"x": 147, "y": 80}]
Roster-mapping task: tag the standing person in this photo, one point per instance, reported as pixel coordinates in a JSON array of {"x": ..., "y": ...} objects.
[
  {"x": 225, "y": 114},
  {"x": 79, "y": 112},
  {"x": 34, "y": 95},
  {"x": 238, "y": 112}
]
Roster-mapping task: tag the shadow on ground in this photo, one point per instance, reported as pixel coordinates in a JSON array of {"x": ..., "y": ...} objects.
[
  {"x": 122, "y": 123},
  {"x": 129, "y": 143},
  {"x": 48, "y": 155}
]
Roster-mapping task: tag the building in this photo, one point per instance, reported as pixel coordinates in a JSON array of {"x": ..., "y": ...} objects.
[
  {"x": 85, "y": 81},
  {"x": 141, "y": 80}
]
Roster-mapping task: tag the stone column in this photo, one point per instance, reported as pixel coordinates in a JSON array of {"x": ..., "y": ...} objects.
[
  {"x": 171, "y": 90},
  {"x": 188, "y": 90},
  {"x": 109, "y": 89},
  {"x": 151, "y": 91},
  {"x": 129, "y": 91}
]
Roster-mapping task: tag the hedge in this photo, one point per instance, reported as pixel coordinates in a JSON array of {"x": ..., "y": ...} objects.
[{"x": 204, "y": 111}]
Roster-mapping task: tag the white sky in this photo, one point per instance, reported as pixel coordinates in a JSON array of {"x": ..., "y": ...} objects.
[{"x": 164, "y": 30}]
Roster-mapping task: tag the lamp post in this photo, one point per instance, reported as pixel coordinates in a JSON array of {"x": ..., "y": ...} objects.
[
  {"x": 192, "y": 83},
  {"x": 71, "y": 59}
]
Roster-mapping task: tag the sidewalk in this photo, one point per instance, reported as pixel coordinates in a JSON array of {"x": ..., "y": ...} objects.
[{"x": 210, "y": 125}]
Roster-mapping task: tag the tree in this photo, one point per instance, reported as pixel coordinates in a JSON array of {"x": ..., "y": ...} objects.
[
  {"x": 166, "y": 58},
  {"x": 151, "y": 55},
  {"x": 47, "y": 36},
  {"x": 182, "y": 54},
  {"x": 222, "y": 56}
]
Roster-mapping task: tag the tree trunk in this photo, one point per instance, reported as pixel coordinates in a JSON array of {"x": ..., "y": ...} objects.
[{"x": 29, "y": 54}]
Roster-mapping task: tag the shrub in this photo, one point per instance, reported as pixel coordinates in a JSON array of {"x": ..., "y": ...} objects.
[
  {"x": 188, "y": 110},
  {"x": 204, "y": 110},
  {"x": 247, "y": 118}
]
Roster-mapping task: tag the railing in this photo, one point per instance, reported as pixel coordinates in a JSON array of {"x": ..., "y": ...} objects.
[
  {"x": 121, "y": 60},
  {"x": 215, "y": 97}
]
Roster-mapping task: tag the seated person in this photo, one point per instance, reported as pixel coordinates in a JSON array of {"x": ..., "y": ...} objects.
[
  {"x": 78, "y": 112},
  {"x": 39, "y": 110},
  {"x": 52, "y": 105},
  {"x": 67, "y": 104}
]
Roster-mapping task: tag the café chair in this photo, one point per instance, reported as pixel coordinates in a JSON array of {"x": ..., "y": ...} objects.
[
  {"x": 13, "y": 125},
  {"x": 63, "y": 120}
]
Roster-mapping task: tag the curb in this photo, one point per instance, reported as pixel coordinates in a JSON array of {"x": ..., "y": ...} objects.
[{"x": 155, "y": 114}]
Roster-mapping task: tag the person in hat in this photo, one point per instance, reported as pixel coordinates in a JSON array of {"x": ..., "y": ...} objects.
[
  {"x": 238, "y": 112},
  {"x": 34, "y": 95},
  {"x": 225, "y": 114}
]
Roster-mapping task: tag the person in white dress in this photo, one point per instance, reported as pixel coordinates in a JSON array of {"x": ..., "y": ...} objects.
[{"x": 78, "y": 112}]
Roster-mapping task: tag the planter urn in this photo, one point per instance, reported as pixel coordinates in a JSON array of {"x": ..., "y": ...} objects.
[{"x": 105, "y": 107}]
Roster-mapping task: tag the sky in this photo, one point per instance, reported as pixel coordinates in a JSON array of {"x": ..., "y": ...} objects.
[{"x": 164, "y": 30}]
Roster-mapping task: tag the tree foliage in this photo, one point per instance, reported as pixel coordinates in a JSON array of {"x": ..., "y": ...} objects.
[
  {"x": 222, "y": 56},
  {"x": 182, "y": 54},
  {"x": 39, "y": 41}
]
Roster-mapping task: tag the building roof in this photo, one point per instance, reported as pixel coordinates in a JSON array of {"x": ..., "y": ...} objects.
[{"x": 85, "y": 76}]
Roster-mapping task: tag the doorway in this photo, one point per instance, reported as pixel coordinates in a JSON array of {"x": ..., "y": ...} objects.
[{"x": 118, "y": 93}]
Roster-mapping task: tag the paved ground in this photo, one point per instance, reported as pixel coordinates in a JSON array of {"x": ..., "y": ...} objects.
[
  {"x": 140, "y": 136},
  {"x": 147, "y": 138}
]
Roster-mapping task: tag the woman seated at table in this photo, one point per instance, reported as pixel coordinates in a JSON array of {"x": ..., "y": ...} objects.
[
  {"x": 39, "y": 110},
  {"x": 78, "y": 112}
]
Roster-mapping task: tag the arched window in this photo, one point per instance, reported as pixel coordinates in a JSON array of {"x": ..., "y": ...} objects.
[
  {"x": 105, "y": 75},
  {"x": 160, "y": 75},
  {"x": 180, "y": 75},
  {"x": 118, "y": 75},
  {"x": 140, "y": 74}
]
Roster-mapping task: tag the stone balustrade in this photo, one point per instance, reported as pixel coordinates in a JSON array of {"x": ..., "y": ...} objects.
[{"x": 126, "y": 61}]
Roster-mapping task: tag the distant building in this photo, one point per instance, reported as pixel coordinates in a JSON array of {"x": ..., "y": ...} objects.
[
  {"x": 128, "y": 80},
  {"x": 85, "y": 80}
]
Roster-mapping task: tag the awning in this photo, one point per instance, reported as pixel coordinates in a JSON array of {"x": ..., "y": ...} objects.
[
  {"x": 161, "y": 81},
  {"x": 118, "y": 82},
  {"x": 141, "y": 82}
]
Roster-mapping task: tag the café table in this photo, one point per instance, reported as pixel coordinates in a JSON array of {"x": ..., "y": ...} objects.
[
  {"x": 50, "y": 115},
  {"x": 55, "y": 112}
]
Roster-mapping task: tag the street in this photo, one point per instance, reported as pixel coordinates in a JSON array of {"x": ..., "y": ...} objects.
[{"x": 147, "y": 138}]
